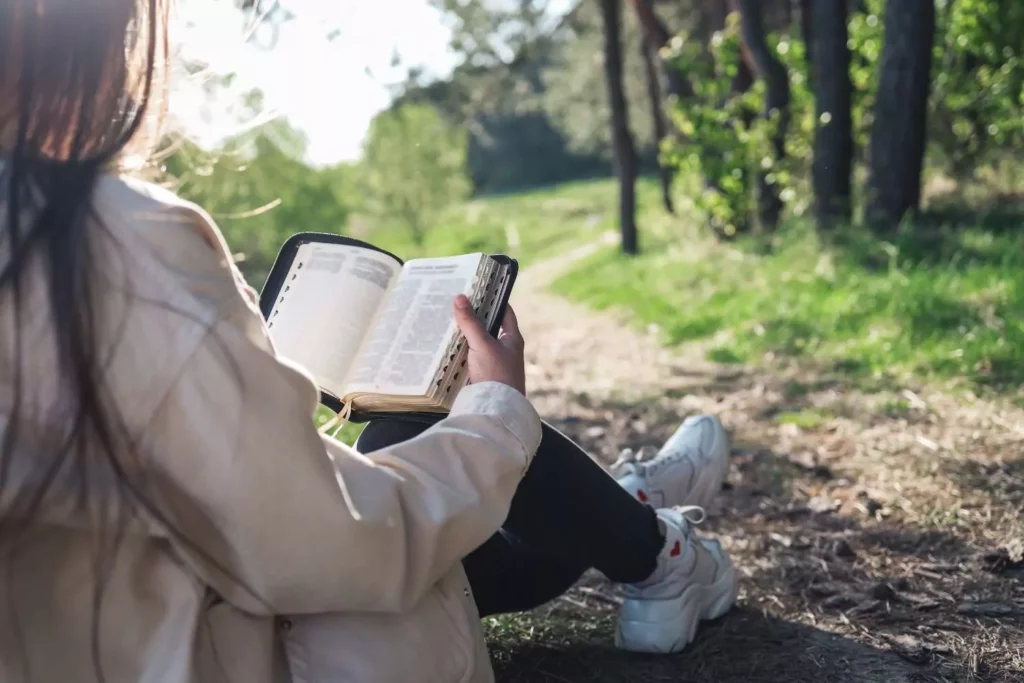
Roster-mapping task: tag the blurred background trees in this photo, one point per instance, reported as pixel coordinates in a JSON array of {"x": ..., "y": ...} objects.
[
  {"x": 835, "y": 178},
  {"x": 259, "y": 191},
  {"x": 622, "y": 139},
  {"x": 901, "y": 113},
  {"x": 414, "y": 166},
  {"x": 751, "y": 112}
]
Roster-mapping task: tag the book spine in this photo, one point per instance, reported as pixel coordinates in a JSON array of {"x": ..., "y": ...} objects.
[{"x": 485, "y": 302}]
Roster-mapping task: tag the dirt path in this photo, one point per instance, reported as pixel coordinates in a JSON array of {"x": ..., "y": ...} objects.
[{"x": 880, "y": 535}]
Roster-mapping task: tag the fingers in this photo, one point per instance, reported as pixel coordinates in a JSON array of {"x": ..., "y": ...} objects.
[
  {"x": 510, "y": 327},
  {"x": 474, "y": 331}
]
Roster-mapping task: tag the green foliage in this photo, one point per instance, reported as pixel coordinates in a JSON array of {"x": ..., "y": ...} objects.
[
  {"x": 866, "y": 33},
  {"x": 497, "y": 95},
  {"x": 260, "y": 192},
  {"x": 575, "y": 95},
  {"x": 714, "y": 143},
  {"x": 808, "y": 418},
  {"x": 723, "y": 138},
  {"x": 977, "y": 98},
  {"x": 976, "y": 113},
  {"x": 414, "y": 167},
  {"x": 524, "y": 61},
  {"x": 978, "y": 83},
  {"x": 490, "y": 33}
]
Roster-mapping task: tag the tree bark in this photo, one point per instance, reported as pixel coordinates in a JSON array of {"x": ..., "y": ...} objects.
[
  {"x": 647, "y": 49},
  {"x": 807, "y": 31},
  {"x": 776, "y": 79},
  {"x": 625, "y": 153},
  {"x": 716, "y": 13},
  {"x": 901, "y": 106},
  {"x": 658, "y": 35},
  {"x": 833, "y": 135}
]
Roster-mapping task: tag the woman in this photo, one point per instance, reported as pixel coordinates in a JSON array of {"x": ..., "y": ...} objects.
[{"x": 168, "y": 512}]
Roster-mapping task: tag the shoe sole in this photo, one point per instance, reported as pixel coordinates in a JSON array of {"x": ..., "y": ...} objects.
[{"x": 670, "y": 625}]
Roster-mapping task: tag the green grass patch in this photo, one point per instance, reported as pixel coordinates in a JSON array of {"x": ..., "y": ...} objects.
[
  {"x": 349, "y": 433},
  {"x": 724, "y": 355},
  {"x": 938, "y": 303},
  {"x": 808, "y": 418},
  {"x": 948, "y": 305},
  {"x": 528, "y": 226},
  {"x": 796, "y": 389},
  {"x": 895, "y": 408}
]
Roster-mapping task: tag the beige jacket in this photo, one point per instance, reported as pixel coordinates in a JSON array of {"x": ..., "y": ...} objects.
[{"x": 248, "y": 544}]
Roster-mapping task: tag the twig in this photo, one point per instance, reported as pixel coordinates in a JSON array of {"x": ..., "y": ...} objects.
[
  {"x": 594, "y": 593},
  {"x": 576, "y": 603}
]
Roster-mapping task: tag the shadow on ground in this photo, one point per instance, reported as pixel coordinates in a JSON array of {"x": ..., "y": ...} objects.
[
  {"x": 880, "y": 537},
  {"x": 746, "y": 645}
]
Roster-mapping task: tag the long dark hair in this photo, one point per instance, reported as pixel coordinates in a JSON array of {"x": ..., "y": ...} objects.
[{"x": 80, "y": 80}]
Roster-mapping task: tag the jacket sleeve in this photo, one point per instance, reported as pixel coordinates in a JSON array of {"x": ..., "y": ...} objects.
[{"x": 277, "y": 518}]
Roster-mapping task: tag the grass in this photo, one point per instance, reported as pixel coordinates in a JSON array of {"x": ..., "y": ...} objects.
[
  {"x": 895, "y": 408},
  {"x": 528, "y": 226},
  {"x": 942, "y": 302},
  {"x": 943, "y": 305},
  {"x": 808, "y": 418},
  {"x": 348, "y": 434}
]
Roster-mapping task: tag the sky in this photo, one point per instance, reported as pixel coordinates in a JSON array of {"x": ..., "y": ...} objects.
[{"x": 328, "y": 72}]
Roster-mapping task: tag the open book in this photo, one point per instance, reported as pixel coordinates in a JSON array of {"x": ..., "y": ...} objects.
[{"x": 379, "y": 336}]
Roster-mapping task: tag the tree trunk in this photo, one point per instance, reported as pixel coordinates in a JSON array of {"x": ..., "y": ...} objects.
[
  {"x": 776, "y": 81},
  {"x": 648, "y": 50},
  {"x": 901, "y": 105},
  {"x": 807, "y": 31},
  {"x": 715, "y": 12},
  {"x": 658, "y": 35},
  {"x": 625, "y": 154},
  {"x": 833, "y": 136}
]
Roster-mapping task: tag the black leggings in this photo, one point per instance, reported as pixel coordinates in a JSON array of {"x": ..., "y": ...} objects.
[{"x": 567, "y": 516}]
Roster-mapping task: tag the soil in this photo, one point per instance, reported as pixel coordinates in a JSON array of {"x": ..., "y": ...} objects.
[{"x": 880, "y": 538}]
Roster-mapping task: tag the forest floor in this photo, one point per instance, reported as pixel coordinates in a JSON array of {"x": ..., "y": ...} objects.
[{"x": 878, "y": 536}]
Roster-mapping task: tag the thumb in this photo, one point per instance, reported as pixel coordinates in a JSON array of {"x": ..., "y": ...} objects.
[{"x": 470, "y": 325}]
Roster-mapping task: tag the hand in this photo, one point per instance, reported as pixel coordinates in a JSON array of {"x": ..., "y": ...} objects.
[{"x": 490, "y": 359}]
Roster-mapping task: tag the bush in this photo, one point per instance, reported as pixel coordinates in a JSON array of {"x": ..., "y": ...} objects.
[
  {"x": 414, "y": 167},
  {"x": 723, "y": 139},
  {"x": 978, "y": 85}
]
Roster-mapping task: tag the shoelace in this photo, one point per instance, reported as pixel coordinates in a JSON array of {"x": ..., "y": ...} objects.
[
  {"x": 625, "y": 462},
  {"x": 685, "y": 511},
  {"x": 630, "y": 462}
]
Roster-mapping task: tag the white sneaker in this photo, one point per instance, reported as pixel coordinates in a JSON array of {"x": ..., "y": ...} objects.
[
  {"x": 694, "y": 581},
  {"x": 688, "y": 470}
]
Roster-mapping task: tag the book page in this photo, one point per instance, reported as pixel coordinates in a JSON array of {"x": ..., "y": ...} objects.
[
  {"x": 326, "y": 306},
  {"x": 405, "y": 348}
]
